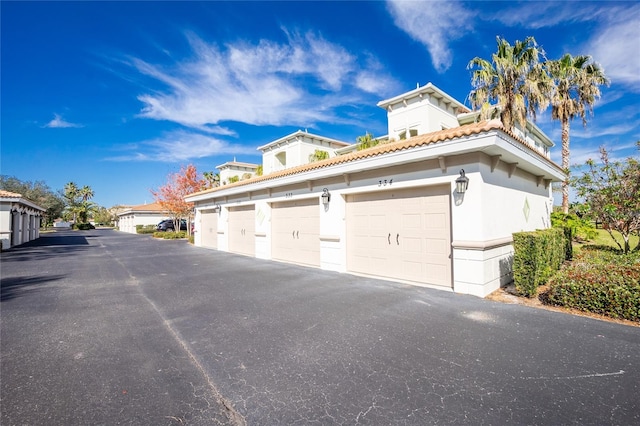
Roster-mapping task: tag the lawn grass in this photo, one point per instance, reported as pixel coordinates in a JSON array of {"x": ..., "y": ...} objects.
[{"x": 603, "y": 238}]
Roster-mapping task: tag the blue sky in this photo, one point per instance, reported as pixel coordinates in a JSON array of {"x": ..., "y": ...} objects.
[{"x": 117, "y": 95}]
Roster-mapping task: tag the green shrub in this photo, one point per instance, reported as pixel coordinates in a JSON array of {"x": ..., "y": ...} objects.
[
  {"x": 582, "y": 229},
  {"x": 83, "y": 226},
  {"x": 537, "y": 255},
  {"x": 600, "y": 281},
  {"x": 169, "y": 235},
  {"x": 145, "y": 229}
]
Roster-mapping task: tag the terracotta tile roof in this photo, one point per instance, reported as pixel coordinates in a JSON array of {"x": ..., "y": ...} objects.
[
  {"x": 414, "y": 142},
  {"x": 9, "y": 194},
  {"x": 151, "y": 207}
]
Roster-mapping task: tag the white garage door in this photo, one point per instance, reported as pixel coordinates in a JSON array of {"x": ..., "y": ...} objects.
[
  {"x": 402, "y": 234},
  {"x": 242, "y": 225},
  {"x": 209, "y": 228},
  {"x": 295, "y": 229}
]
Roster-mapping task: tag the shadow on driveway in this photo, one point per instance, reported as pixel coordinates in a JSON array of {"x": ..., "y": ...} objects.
[
  {"x": 13, "y": 287},
  {"x": 49, "y": 245}
]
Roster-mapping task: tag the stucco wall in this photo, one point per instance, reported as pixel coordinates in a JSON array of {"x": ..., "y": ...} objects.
[
  {"x": 128, "y": 222},
  {"x": 423, "y": 114},
  {"x": 501, "y": 199},
  {"x": 20, "y": 226},
  {"x": 5, "y": 225}
]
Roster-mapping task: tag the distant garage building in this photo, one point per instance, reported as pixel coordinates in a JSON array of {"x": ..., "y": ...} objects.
[
  {"x": 434, "y": 204},
  {"x": 142, "y": 215},
  {"x": 20, "y": 219}
]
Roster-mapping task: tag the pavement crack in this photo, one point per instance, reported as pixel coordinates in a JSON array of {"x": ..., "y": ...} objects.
[
  {"x": 234, "y": 416},
  {"x": 583, "y": 376}
]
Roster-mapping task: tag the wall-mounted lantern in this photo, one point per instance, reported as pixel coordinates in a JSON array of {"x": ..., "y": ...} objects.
[
  {"x": 462, "y": 183},
  {"x": 326, "y": 197}
]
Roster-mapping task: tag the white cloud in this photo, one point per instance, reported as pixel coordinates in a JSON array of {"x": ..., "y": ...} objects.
[
  {"x": 300, "y": 82},
  {"x": 614, "y": 43},
  {"x": 617, "y": 152},
  {"x": 615, "y": 39},
  {"x": 179, "y": 146},
  {"x": 616, "y": 46},
  {"x": 542, "y": 14},
  {"x": 434, "y": 24},
  {"x": 59, "y": 123}
]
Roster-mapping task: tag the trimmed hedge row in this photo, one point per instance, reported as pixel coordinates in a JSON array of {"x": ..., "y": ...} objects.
[
  {"x": 145, "y": 229},
  {"x": 168, "y": 235},
  {"x": 83, "y": 226},
  {"x": 537, "y": 255},
  {"x": 600, "y": 282}
]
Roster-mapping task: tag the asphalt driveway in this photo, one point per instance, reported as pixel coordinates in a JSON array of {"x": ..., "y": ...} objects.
[{"x": 101, "y": 327}]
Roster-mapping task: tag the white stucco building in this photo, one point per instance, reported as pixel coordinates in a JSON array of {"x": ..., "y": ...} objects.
[
  {"x": 144, "y": 214},
  {"x": 393, "y": 211},
  {"x": 20, "y": 219},
  {"x": 236, "y": 170}
]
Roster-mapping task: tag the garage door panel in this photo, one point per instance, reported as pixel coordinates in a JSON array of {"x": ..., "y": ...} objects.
[
  {"x": 209, "y": 229},
  {"x": 242, "y": 225},
  {"x": 296, "y": 231},
  {"x": 412, "y": 245},
  {"x": 406, "y": 234},
  {"x": 437, "y": 247},
  {"x": 414, "y": 271},
  {"x": 412, "y": 221},
  {"x": 436, "y": 221}
]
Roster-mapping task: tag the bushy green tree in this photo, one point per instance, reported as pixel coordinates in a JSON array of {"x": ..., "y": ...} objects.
[
  {"x": 38, "y": 192},
  {"x": 611, "y": 190},
  {"x": 102, "y": 216}
]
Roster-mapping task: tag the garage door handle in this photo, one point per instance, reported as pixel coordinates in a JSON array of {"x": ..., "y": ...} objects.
[
  {"x": 389, "y": 238},
  {"x": 298, "y": 234},
  {"x": 397, "y": 239},
  {"x": 293, "y": 234}
]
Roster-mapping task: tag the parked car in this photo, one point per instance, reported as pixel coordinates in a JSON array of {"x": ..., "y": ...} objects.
[{"x": 167, "y": 225}]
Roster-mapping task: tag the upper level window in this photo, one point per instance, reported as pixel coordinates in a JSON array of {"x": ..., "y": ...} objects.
[{"x": 281, "y": 160}]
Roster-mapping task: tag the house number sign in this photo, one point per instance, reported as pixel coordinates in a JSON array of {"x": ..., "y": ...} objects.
[{"x": 385, "y": 182}]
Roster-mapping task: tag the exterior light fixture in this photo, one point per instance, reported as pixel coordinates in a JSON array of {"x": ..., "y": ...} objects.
[
  {"x": 462, "y": 183},
  {"x": 326, "y": 197}
]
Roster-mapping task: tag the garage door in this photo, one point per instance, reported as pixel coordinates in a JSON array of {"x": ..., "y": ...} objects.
[
  {"x": 242, "y": 224},
  {"x": 209, "y": 228},
  {"x": 402, "y": 234},
  {"x": 295, "y": 231}
]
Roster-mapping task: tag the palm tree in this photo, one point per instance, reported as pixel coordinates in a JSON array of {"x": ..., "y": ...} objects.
[
  {"x": 318, "y": 155},
  {"x": 514, "y": 81},
  {"x": 71, "y": 191},
  {"x": 577, "y": 82},
  {"x": 86, "y": 193},
  {"x": 366, "y": 141},
  {"x": 213, "y": 179},
  {"x": 71, "y": 194}
]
